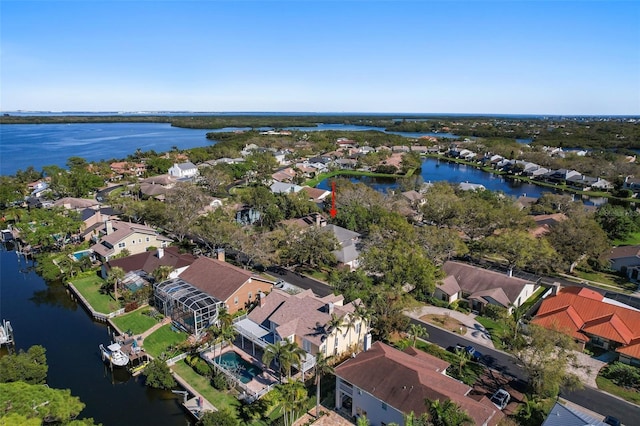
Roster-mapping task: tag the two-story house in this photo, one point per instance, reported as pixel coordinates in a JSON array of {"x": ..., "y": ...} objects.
[{"x": 114, "y": 236}]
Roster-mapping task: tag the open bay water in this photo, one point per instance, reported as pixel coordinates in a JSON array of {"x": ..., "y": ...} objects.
[
  {"x": 39, "y": 145},
  {"x": 44, "y": 314}
]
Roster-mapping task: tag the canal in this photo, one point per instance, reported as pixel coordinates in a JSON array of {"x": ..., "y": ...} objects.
[
  {"x": 44, "y": 314},
  {"x": 434, "y": 170}
]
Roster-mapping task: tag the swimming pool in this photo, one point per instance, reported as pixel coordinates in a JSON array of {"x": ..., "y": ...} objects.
[
  {"x": 82, "y": 253},
  {"x": 239, "y": 367}
]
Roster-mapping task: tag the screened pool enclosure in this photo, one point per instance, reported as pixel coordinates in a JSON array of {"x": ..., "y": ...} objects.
[{"x": 189, "y": 307}]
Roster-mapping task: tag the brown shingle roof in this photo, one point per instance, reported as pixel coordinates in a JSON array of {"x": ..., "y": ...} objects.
[
  {"x": 303, "y": 314},
  {"x": 216, "y": 278},
  {"x": 404, "y": 380},
  {"x": 150, "y": 260},
  {"x": 473, "y": 279}
]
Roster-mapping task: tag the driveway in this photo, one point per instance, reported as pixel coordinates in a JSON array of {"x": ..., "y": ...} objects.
[
  {"x": 591, "y": 367},
  {"x": 475, "y": 331}
]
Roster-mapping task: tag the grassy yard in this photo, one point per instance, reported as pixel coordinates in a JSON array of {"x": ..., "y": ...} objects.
[
  {"x": 203, "y": 385},
  {"x": 632, "y": 240},
  {"x": 89, "y": 287},
  {"x": 495, "y": 329},
  {"x": 610, "y": 280},
  {"x": 608, "y": 386},
  {"x": 158, "y": 341},
  {"x": 136, "y": 321},
  {"x": 533, "y": 299}
]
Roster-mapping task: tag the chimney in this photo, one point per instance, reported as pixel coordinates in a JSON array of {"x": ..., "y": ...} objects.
[
  {"x": 329, "y": 307},
  {"x": 262, "y": 297},
  {"x": 160, "y": 253},
  {"x": 108, "y": 225},
  {"x": 555, "y": 288},
  {"x": 220, "y": 253}
]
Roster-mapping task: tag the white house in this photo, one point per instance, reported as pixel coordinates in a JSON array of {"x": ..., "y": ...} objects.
[{"x": 183, "y": 170}]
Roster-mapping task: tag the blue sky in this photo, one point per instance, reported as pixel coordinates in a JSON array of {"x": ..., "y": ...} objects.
[{"x": 508, "y": 57}]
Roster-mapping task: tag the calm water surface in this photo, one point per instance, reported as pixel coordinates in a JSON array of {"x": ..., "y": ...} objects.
[
  {"x": 44, "y": 314},
  {"x": 39, "y": 145}
]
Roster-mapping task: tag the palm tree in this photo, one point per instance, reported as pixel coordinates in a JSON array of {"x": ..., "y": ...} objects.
[
  {"x": 116, "y": 275},
  {"x": 364, "y": 314},
  {"x": 322, "y": 367},
  {"x": 293, "y": 395},
  {"x": 162, "y": 272},
  {"x": 447, "y": 413},
  {"x": 415, "y": 331},
  {"x": 463, "y": 359},
  {"x": 334, "y": 324},
  {"x": 284, "y": 354},
  {"x": 350, "y": 324},
  {"x": 295, "y": 356}
]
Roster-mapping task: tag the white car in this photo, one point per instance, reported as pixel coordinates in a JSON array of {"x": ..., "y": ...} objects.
[{"x": 501, "y": 398}]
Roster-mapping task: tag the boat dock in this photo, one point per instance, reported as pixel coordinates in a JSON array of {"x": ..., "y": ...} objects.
[{"x": 6, "y": 333}]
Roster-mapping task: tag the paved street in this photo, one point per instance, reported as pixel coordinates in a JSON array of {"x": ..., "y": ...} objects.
[{"x": 593, "y": 399}]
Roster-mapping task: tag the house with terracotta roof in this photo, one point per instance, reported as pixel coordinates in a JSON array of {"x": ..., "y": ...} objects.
[
  {"x": 304, "y": 318},
  {"x": 114, "y": 236},
  {"x": 482, "y": 287},
  {"x": 589, "y": 317},
  {"x": 544, "y": 222},
  {"x": 237, "y": 288},
  {"x": 384, "y": 384},
  {"x": 151, "y": 260}
]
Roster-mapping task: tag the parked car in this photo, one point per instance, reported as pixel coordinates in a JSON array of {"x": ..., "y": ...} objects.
[
  {"x": 475, "y": 355},
  {"x": 610, "y": 420},
  {"x": 501, "y": 398}
]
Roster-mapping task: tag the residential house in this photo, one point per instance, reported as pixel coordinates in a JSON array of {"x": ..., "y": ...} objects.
[
  {"x": 524, "y": 202},
  {"x": 126, "y": 168},
  {"x": 400, "y": 148},
  {"x": 284, "y": 175},
  {"x": 631, "y": 183},
  {"x": 385, "y": 384},
  {"x": 235, "y": 287},
  {"x": 77, "y": 204},
  {"x": 93, "y": 220},
  {"x": 151, "y": 260},
  {"x": 284, "y": 188},
  {"x": 316, "y": 195},
  {"x": 570, "y": 415},
  {"x": 281, "y": 157},
  {"x": 348, "y": 254},
  {"x": 114, "y": 236},
  {"x": 304, "y": 318},
  {"x": 544, "y": 222},
  {"x": 481, "y": 287},
  {"x": 346, "y": 143},
  {"x": 186, "y": 170},
  {"x": 415, "y": 198},
  {"x": 589, "y": 317},
  {"x": 625, "y": 259},
  {"x": 346, "y": 163},
  {"x": 466, "y": 186}
]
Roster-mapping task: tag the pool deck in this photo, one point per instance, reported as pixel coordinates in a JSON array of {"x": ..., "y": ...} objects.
[{"x": 259, "y": 383}]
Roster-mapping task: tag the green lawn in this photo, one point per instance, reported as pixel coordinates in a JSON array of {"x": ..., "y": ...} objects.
[
  {"x": 608, "y": 386},
  {"x": 135, "y": 321},
  {"x": 632, "y": 240},
  {"x": 89, "y": 287},
  {"x": 158, "y": 341},
  {"x": 203, "y": 385},
  {"x": 611, "y": 280},
  {"x": 495, "y": 329},
  {"x": 533, "y": 299}
]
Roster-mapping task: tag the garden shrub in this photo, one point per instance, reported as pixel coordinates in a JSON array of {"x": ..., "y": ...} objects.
[
  {"x": 623, "y": 375},
  {"x": 202, "y": 368},
  {"x": 219, "y": 381}
]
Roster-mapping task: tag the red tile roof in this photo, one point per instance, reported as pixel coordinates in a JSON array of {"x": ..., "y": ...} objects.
[{"x": 581, "y": 312}]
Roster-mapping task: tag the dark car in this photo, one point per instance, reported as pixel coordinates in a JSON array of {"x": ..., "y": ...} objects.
[
  {"x": 610, "y": 420},
  {"x": 475, "y": 355}
]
